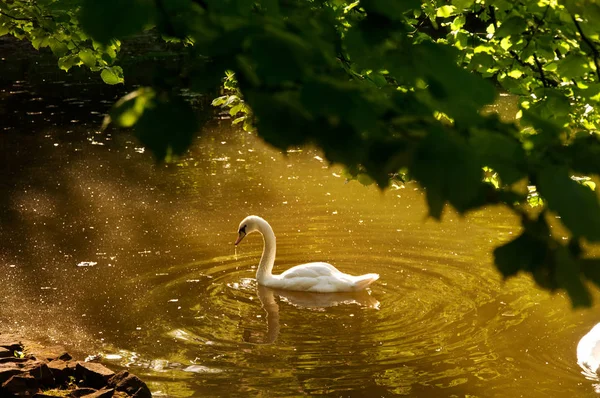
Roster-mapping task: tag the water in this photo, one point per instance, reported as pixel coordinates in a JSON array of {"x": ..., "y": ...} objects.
[{"x": 106, "y": 252}]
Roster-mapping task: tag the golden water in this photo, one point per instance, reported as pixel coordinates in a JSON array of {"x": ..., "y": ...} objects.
[{"x": 108, "y": 253}]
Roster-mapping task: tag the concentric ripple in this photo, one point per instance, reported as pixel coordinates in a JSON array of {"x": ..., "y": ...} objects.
[{"x": 429, "y": 322}]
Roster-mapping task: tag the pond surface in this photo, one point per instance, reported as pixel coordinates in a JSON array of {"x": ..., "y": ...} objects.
[{"x": 105, "y": 252}]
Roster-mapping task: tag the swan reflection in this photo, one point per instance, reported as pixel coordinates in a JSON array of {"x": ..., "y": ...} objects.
[{"x": 267, "y": 295}]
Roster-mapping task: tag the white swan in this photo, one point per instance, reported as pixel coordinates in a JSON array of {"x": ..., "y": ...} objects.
[
  {"x": 588, "y": 352},
  {"x": 311, "y": 277}
]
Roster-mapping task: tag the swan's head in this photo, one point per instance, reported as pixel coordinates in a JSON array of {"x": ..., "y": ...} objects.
[{"x": 247, "y": 226}]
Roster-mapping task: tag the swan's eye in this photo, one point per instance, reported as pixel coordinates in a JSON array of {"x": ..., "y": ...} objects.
[{"x": 243, "y": 229}]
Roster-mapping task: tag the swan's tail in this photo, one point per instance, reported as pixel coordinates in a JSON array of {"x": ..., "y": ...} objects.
[{"x": 365, "y": 280}]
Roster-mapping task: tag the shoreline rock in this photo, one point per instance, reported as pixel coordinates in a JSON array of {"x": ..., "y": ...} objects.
[{"x": 51, "y": 372}]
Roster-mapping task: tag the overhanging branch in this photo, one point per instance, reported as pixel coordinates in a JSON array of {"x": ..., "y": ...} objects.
[
  {"x": 587, "y": 41},
  {"x": 15, "y": 18}
]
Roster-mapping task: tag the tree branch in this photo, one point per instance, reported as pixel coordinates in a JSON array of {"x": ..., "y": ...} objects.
[
  {"x": 589, "y": 43},
  {"x": 537, "y": 68},
  {"x": 541, "y": 70},
  {"x": 492, "y": 14},
  {"x": 535, "y": 29},
  {"x": 15, "y": 18}
]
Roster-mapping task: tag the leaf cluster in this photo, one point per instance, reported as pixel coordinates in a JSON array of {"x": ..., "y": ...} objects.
[
  {"x": 383, "y": 87},
  {"x": 55, "y": 24}
]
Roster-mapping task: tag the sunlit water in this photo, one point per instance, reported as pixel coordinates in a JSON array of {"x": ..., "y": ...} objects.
[{"x": 105, "y": 252}]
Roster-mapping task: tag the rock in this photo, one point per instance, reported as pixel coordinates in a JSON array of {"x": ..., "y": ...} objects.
[
  {"x": 49, "y": 353},
  {"x": 131, "y": 384},
  {"x": 21, "y": 385},
  {"x": 13, "y": 360},
  {"x": 65, "y": 356},
  {"x": 40, "y": 371},
  {"x": 103, "y": 393},
  {"x": 82, "y": 392},
  {"x": 72, "y": 365},
  {"x": 54, "y": 370},
  {"x": 10, "y": 342},
  {"x": 50, "y": 393},
  {"x": 61, "y": 371},
  {"x": 6, "y": 353},
  {"x": 7, "y": 371},
  {"x": 94, "y": 374}
]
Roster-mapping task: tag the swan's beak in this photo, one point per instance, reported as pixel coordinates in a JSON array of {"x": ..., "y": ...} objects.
[{"x": 239, "y": 239}]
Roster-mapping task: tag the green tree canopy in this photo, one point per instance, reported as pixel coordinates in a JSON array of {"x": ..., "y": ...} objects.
[{"x": 382, "y": 87}]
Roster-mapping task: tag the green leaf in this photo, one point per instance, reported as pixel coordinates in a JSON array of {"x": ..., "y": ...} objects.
[
  {"x": 515, "y": 73},
  {"x": 220, "y": 100},
  {"x": 568, "y": 277},
  {"x": 458, "y": 22},
  {"x": 454, "y": 90},
  {"x": 339, "y": 101},
  {"x": 482, "y": 61},
  {"x": 87, "y": 57},
  {"x": 4, "y": 30},
  {"x": 502, "y": 153},
  {"x": 236, "y": 108},
  {"x": 573, "y": 65},
  {"x": 445, "y": 11},
  {"x": 112, "y": 75},
  {"x": 524, "y": 253},
  {"x": 239, "y": 119},
  {"x": 463, "y": 4},
  {"x": 547, "y": 129},
  {"x": 529, "y": 252},
  {"x": 590, "y": 267},
  {"x": 175, "y": 117},
  {"x": 58, "y": 47},
  {"x": 114, "y": 19},
  {"x": 40, "y": 42},
  {"x": 289, "y": 65},
  {"x": 584, "y": 153},
  {"x": 577, "y": 205},
  {"x": 592, "y": 92},
  {"x": 511, "y": 27},
  {"x": 378, "y": 79},
  {"x": 448, "y": 170},
  {"x": 365, "y": 179},
  {"x": 590, "y": 184},
  {"x": 128, "y": 109},
  {"x": 67, "y": 62},
  {"x": 506, "y": 43}
]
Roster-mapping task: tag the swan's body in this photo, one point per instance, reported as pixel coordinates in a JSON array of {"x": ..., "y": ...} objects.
[
  {"x": 588, "y": 351},
  {"x": 311, "y": 277}
]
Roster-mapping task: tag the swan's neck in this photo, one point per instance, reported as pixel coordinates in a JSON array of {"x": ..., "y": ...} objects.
[{"x": 265, "y": 267}]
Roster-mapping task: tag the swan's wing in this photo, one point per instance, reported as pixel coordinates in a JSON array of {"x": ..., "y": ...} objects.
[
  {"x": 311, "y": 270},
  {"x": 588, "y": 350},
  {"x": 320, "y": 277},
  {"x": 315, "y": 277}
]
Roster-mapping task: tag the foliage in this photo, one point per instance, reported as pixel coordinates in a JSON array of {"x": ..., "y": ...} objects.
[
  {"x": 233, "y": 103},
  {"x": 55, "y": 24},
  {"x": 381, "y": 86}
]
